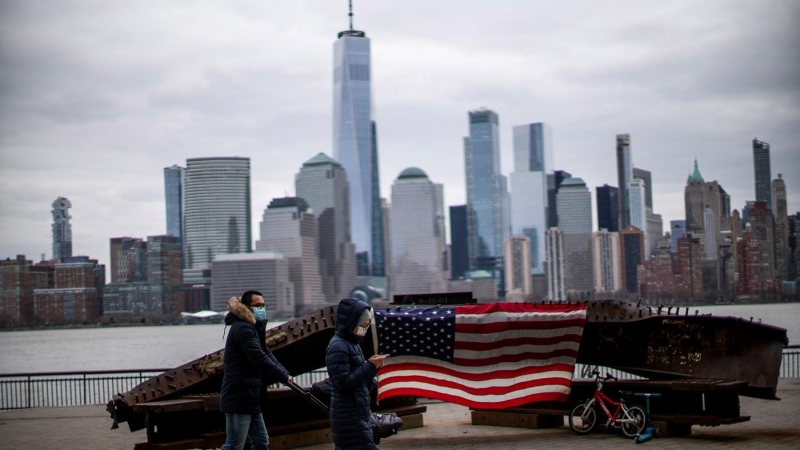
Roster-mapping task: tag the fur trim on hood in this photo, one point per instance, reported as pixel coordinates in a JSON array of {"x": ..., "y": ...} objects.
[{"x": 241, "y": 311}]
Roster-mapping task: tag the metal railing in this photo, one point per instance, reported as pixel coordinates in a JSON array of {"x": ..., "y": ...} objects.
[
  {"x": 44, "y": 389},
  {"x": 35, "y": 390}
]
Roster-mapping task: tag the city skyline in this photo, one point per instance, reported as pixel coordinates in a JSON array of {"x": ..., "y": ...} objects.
[{"x": 95, "y": 116}]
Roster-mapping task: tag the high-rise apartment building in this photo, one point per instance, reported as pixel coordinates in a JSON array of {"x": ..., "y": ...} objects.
[
  {"x": 76, "y": 294},
  {"x": 322, "y": 183},
  {"x": 459, "y": 242},
  {"x": 624, "y": 176},
  {"x": 355, "y": 144},
  {"x": 265, "y": 272},
  {"x": 62, "y": 229},
  {"x": 607, "y": 208},
  {"x": 129, "y": 260},
  {"x": 762, "y": 224},
  {"x": 217, "y": 212},
  {"x": 533, "y": 162},
  {"x": 518, "y": 266},
  {"x": 709, "y": 234},
  {"x": 749, "y": 267},
  {"x": 290, "y": 229},
  {"x": 486, "y": 197},
  {"x": 164, "y": 269},
  {"x": 574, "y": 204},
  {"x": 173, "y": 196},
  {"x": 418, "y": 234},
  {"x": 554, "y": 244},
  {"x": 779, "y": 210},
  {"x": 763, "y": 172},
  {"x": 606, "y": 261},
  {"x": 690, "y": 268},
  {"x": 632, "y": 255}
]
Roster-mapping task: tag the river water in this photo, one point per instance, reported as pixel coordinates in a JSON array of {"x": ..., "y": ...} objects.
[{"x": 151, "y": 347}]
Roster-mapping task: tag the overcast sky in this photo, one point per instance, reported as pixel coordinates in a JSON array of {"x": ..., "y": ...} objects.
[{"x": 97, "y": 97}]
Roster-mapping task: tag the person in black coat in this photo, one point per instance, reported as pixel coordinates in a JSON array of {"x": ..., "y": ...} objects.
[
  {"x": 246, "y": 362},
  {"x": 351, "y": 377}
]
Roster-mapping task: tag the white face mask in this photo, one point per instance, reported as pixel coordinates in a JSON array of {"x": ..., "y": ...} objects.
[{"x": 361, "y": 331}]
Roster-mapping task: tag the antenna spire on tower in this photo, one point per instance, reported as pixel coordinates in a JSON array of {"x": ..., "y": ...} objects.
[{"x": 350, "y": 2}]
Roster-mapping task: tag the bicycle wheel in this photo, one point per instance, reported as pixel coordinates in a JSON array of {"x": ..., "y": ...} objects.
[
  {"x": 631, "y": 429},
  {"x": 582, "y": 419}
]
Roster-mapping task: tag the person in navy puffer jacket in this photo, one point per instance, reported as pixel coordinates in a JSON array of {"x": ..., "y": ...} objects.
[{"x": 352, "y": 377}]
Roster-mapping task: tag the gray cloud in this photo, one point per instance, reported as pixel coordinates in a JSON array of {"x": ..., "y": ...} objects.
[{"x": 96, "y": 98}]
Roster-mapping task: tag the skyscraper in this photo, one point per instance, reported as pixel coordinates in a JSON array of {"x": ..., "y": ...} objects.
[
  {"x": 217, "y": 212},
  {"x": 607, "y": 208},
  {"x": 574, "y": 203},
  {"x": 62, "y": 229},
  {"x": 459, "y": 242},
  {"x": 632, "y": 255},
  {"x": 266, "y": 272},
  {"x": 173, "y": 194},
  {"x": 518, "y": 266},
  {"x": 779, "y": 210},
  {"x": 709, "y": 234},
  {"x": 290, "y": 229},
  {"x": 763, "y": 172},
  {"x": 647, "y": 177},
  {"x": 533, "y": 161},
  {"x": 606, "y": 261},
  {"x": 554, "y": 181},
  {"x": 554, "y": 244},
  {"x": 637, "y": 211},
  {"x": 677, "y": 230},
  {"x": 624, "y": 175},
  {"x": 485, "y": 196},
  {"x": 355, "y": 143},
  {"x": 418, "y": 239},
  {"x": 322, "y": 183}
]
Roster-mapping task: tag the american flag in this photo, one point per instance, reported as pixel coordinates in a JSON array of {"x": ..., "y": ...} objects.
[{"x": 487, "y": 356}]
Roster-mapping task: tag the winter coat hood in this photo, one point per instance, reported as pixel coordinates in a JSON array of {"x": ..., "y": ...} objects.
[
  {"x": 347, "y": 316},
  {"x": 238, "y": 311}
]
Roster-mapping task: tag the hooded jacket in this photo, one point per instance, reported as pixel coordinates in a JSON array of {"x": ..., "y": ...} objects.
[
  {"x": 246, "y": 358},
  {"x": 351, "y": 378}
]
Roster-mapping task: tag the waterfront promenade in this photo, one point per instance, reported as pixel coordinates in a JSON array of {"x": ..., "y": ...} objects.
[{"x": 774, "y": 424}]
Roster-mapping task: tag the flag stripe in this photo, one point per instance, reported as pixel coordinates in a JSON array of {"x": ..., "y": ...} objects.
[
  {"x": 496, "y": 327},
  {"x": 517, "y": 398},
  {"x": 484, "y": 343},
  {"x": 555, "y": 334},
  {"x": 479, "y": 373},
  {"x": 486, "y": 389},
  {"x": 514, "y": 358}
]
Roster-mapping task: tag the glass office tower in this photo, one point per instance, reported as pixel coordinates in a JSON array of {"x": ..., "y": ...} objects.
[
  {"x": 485, "y": 196},
  {"x": 173, "y": 194},
  {"x": 217, "y": 212},
  {"x": 533, "y": 161},
  {"x": 624, "y": 176},
  {"x": 354, "y": 139}
]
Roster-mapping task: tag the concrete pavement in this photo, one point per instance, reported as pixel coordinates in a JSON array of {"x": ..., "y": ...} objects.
[{"x": 774, "y": 424}]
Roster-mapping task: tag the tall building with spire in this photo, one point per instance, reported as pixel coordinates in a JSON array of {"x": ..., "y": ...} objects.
[
  {"x": 355, "y": 145},
  {"x": 62, "y": 229}
]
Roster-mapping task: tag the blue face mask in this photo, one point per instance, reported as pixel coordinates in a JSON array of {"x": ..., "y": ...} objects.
[{"x": 260, "y": 312}]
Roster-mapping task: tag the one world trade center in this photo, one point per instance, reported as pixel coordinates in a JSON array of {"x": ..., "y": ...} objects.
[{"x": 355, "y": 145}]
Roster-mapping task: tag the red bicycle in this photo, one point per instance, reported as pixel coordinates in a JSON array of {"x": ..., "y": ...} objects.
[{"x": 583, "y": 418}]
